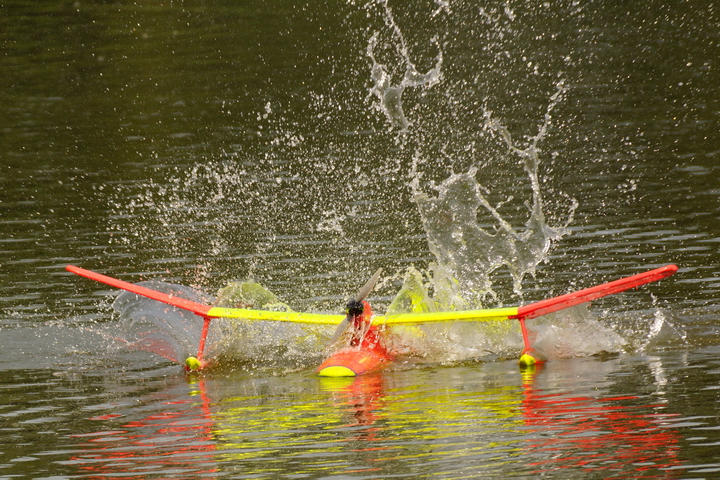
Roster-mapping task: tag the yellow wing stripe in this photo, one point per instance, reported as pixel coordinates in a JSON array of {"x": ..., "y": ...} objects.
[
  {"x": 296, "y": 317},
  {"x": 488, "y": 315}
]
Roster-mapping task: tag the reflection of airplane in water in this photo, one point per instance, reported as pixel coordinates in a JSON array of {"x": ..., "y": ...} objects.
[
  {"x": 175, "y": 442},
  {"x": 361, "y": 397},
  {"x": 603, "y": 436},
  {"x": 429, "y": 422}
]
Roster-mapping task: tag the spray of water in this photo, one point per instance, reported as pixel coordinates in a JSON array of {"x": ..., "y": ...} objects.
[
  {"x": 474, "y": 239},
  {"x": 388, "y": 92},
  {"x": 174, "y": 334},
  {"x": 154, "y": 327},
  {"x": 467, "y": 253}
]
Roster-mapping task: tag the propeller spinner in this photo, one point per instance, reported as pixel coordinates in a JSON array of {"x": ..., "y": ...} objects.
[{"x": 355, "y": 306}]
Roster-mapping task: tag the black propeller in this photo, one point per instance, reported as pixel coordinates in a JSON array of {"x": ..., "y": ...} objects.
[{"x": 355, "y": 306}]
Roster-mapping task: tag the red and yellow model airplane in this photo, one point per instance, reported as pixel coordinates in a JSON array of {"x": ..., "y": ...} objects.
[{"x": 364, "y": 352}]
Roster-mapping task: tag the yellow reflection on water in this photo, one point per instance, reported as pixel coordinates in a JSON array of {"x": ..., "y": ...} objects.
[
  {"x": 455, "y": 422},
  {"x": 366, "y": 422}
]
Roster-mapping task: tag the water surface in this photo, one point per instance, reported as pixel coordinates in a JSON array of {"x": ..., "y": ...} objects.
[{"x": 295, "y": 144}]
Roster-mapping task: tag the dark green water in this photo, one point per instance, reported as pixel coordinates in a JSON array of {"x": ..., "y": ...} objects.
[{"x": 201, "y": 142}]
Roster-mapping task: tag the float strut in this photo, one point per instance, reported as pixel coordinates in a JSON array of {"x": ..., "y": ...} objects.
[
  {"x": 528, "y": 356},
  {"x": 194, "y": 364},
  {"x": 203, "y": 337}
]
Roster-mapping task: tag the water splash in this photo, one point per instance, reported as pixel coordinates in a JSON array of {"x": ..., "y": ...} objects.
[
  {"x": 469, "y": 252},
  {"x": 389, "y": 93},
  {"x": 570, "y": 333},
  {"x": 150, "y": 326},
  {"x": 661, "y": 333},
  {"x": 574, "y": 332},
  {"x": 473, "y": 238},
  {"x": 173, "y": 333}
]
